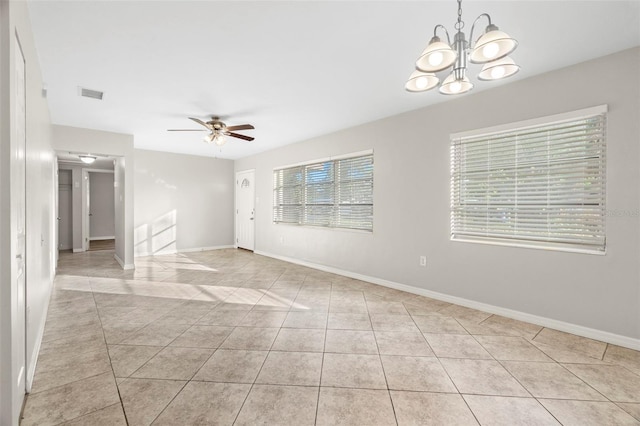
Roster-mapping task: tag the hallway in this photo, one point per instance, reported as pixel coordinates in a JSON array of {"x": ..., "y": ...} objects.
[{"x": 230, "y": 337}]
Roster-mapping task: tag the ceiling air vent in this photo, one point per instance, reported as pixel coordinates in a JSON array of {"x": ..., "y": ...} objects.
[{"x": 88, "y": 93}]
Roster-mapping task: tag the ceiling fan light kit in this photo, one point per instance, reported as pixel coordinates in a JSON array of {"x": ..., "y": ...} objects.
[
  {"x": 218, "y": 131},
  {"x": 490, "y": 49}
]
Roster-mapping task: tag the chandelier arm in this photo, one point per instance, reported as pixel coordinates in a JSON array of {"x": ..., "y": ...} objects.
[
  {"x": 445, "y": 31},
  {"x": 473, "y": 27}
]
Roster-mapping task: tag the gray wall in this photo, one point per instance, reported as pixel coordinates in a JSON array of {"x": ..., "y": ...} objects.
[
  {"x": 102, "y": 222},
  {"x": 40, "y": 210},
  {"x": 411, "y": 197},
  {"x": 183, "y": 202}
]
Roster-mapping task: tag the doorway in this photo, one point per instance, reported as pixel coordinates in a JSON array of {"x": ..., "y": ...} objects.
[
  {"x": 65, "y": 210},
  {"x": 86, "y": 203},
  {"x": 100, "y": 223},
  {"x": 245, "y": 210}
]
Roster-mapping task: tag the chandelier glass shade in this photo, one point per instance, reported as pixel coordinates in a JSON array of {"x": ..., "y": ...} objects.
[
  {"x": 420, "y": 81},
  {"x": 216, "y": 137},
  {"x": 490, "y": 49}
]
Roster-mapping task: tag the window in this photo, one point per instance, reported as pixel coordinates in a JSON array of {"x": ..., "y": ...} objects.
[
  {"x": 334, "y": 193},
  {"x": 539, "y": 183}
]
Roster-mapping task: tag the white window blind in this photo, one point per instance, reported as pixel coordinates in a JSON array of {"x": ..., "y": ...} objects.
[
  {"x": 540, "y": 185},
  {"x": 332, "y": 193}
]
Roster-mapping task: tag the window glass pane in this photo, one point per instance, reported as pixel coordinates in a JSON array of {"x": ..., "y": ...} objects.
[{"x": 335, "y": 193}]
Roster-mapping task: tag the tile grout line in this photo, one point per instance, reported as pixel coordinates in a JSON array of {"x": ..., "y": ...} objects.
[
  {"x": 257, "y": 375},
  {"x": 324, "y": 347},
  {"x": 108, "y": 354},
  {"x": 384, "y": 373}
]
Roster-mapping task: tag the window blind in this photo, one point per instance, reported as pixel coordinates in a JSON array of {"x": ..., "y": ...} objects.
[
  {"x": 332, "y": 193},
  {"x": 538, "y": 186}
]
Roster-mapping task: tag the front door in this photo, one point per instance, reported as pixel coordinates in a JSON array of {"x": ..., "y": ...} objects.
[{"x": 245, "y": 210}]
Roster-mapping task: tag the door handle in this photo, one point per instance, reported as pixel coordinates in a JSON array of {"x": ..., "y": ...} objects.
[
  {"x": 90, "y": 214},
  {"x": 250, "y": 218},
  {"x": 19, "y": 256},
  {"x": 58, "y": 218}
]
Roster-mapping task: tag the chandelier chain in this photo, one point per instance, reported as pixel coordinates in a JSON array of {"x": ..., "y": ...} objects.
[{"x": 460, "y": 24}]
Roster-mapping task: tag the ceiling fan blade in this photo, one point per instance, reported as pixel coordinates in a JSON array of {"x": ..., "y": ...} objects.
[
  {"x": 240, "y": 127},
  {"x": 186, "y": 130},
  {"x": 239, "y": 136},
  {"x": 202, "y": 123}
]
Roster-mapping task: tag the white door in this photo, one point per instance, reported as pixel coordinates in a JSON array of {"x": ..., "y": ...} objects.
[
  {"x": 65, "y": 203},
  {"x": 18, "y": 205},
  {"x": 245, "y": 210}
]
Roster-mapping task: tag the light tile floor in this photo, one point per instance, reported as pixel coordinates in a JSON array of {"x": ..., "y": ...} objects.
[{"x": 229, "y": 337}]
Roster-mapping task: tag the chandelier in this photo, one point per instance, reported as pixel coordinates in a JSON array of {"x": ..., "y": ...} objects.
[{"x": 491, "y": 49}]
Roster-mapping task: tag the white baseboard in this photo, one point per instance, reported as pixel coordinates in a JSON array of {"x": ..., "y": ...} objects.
[
  {"x": 78, "y": 250},
  {"x": 187, "y": 250},
  {"x": 111, "y": 237},
  {"x": 124, "y": 266},
  {"x": 591, "y": 333},
  {"x": 31, "y": 368},
  {"x": 193, "y": 250}
]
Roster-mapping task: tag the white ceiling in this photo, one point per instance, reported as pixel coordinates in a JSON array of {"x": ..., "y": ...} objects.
[{"x": 294, "y": 69}]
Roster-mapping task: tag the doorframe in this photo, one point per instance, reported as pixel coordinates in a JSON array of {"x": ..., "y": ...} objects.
[
  {"x": 85, "y": 202},
  {"x": 57, "y": 212},
  {"x": 235, "y": 207}
]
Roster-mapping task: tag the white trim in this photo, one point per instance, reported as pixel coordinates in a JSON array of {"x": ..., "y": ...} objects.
[
  {"x": 110, "y": 237},
  {"x": 549, "y": 119},
  {"x": 78, "y": 250},
  {"x": 187, "y": 250},
  {"x": 125, "y": 266},
  {"x": 536, "y": 245},
  {"x": 322, "y": 160},
  {"x": 197, "y": 249},
  {"x": 31, "y": 370},
  {"x": 326, "y": 228},
  {"x": 591, "y": 333},
  {"x": 90, "y": 170}
]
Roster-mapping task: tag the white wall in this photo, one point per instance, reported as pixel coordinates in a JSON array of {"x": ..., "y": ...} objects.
[
  {"x": 40, "y": 214},
  {"x": 102, "y": 206},
  {"x": 118, "y": 145},
  {"x": 183, "y": 202},
  {"x": 411, "y": 205}
]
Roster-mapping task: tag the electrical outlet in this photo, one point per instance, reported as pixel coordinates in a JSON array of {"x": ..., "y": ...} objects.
[{"x": 423, "y": 260}]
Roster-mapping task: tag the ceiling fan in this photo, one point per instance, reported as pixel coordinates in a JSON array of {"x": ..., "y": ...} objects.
[{"x": 218, "y": 130}]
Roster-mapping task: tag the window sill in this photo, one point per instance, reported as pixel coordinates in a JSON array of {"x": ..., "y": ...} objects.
[
  {"x": 325, "y": 228},
  {"x": 529, "y": 245}
]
